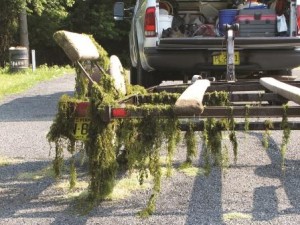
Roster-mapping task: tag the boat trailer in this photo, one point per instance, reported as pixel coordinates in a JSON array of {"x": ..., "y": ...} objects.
[{"x": 250, "y": 101}]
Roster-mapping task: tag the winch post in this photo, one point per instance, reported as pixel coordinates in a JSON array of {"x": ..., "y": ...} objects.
[{"x": 230, "y": 72}]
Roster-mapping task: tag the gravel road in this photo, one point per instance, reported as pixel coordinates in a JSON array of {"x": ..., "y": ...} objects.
[{"x": 253, "y": 191}]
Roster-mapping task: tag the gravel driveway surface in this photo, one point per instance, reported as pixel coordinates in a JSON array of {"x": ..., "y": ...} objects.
[{"x": 254, "y": 191}]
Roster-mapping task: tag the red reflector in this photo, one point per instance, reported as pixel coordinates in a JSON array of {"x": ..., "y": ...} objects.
[
  {"x": 150, "y": 26},
  {"x": 119, "y": 112}
]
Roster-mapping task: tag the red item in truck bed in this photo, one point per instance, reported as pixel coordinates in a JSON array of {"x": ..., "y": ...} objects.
[
  {"x": 256, "y": 23},
  {"x": 242, "y": 18}
]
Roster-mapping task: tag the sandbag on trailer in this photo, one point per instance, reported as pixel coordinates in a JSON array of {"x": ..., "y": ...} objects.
[
  {"x": 78, "y": 47},
  {"x": 190, "y": 102},
  {"x": 290, "y": 92}
]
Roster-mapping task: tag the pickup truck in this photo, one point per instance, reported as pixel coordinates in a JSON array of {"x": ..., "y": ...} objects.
[{"x": 177, "y": 39}]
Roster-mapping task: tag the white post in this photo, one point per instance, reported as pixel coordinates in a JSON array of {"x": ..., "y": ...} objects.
[{"x": 33, "y": 60}]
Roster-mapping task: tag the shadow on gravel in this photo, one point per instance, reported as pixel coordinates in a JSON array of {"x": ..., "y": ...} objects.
[
  {"x": 36, "y": 108},
  {"x": 205, "y": 205},
  {"x": 265, "y": 205},
  {"x": 19, "y": 194},
  {"x": 27, "y": 193}
]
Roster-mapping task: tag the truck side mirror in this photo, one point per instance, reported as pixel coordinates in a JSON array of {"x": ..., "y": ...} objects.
[{"x": 119, "y": 10}]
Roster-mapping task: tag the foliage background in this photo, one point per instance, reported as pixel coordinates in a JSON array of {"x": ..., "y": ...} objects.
[{"x": 47, "y": 16}]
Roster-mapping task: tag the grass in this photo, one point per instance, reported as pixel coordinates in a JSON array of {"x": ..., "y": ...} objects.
[
  {"x": 12, "y": 83},
  {"x": 37, "y": 175},
  {"x": 5, "y": 161},
  {"x": 236, "y": 216},
  {"x": 126, "y": 187},
  {"x": 80, "y": 189},
  {"x": 192, "y": 171}
]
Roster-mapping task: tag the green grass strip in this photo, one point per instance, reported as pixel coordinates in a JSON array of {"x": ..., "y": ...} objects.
[{"x": 13, "y": 83}]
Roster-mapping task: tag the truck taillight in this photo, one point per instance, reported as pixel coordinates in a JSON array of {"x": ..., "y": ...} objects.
[
  {"x": 150, "y": 23},
  {"x": 298, "y": 19}
]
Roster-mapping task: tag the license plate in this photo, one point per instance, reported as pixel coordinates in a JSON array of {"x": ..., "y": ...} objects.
[
  {"x": 221, "y": 59},
  {"x": 81, "y": 128}
]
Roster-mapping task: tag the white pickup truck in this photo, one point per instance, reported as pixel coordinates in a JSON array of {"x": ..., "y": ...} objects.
[{"x": 176, "y": 39}]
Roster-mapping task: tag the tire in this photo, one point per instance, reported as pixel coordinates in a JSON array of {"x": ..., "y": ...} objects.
[
  {"x": 286, "y": 72},
  {"x": 133, "y": 75},
  {"x": 144, "y": 78},
  {"x": 140, "y": 75}
]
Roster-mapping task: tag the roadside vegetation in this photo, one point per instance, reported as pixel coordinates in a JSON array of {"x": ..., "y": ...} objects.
[
  {"x": 5, "y": 161},
  {"x": 12, "y": 83},
  {"x": 44, "y": 18}
]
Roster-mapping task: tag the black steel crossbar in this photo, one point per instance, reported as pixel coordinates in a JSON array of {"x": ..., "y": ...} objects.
[
  {"x": 240, "y": 126},
  {"x": 233, "y": 97},
  {"x": 222, "y": 86},
  {"x": 251, "y": 111},
  {"x": 254, "y": 97}
]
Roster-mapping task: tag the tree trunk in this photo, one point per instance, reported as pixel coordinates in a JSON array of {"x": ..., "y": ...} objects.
[{"x": 24, "y": 40}]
